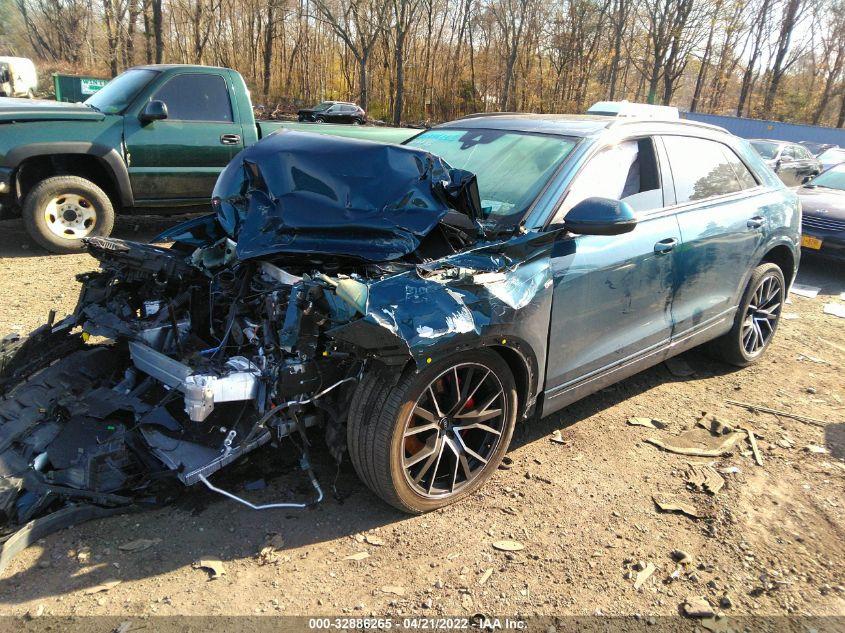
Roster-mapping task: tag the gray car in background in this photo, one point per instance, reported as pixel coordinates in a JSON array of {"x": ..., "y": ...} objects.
[{"x": 793, "y": 163}]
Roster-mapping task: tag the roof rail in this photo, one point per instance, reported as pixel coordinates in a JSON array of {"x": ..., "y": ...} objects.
[
  {"x": 618, "y": 122},
  {"x": 476, "y": 115}
]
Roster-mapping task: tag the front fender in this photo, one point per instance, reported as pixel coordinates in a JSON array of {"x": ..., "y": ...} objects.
[{"x": 108, "y": 156}]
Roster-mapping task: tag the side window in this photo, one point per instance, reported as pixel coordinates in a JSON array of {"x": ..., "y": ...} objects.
[
  {"x": 743, "y": 174},
  {"x": 196, "y": 97},
  {"x": 700, "y": 168},
  {"x": 627, "y": 171}
]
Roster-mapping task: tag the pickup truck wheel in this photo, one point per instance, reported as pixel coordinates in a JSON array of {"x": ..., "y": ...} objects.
[
  {"x": 756, "y": 320},
  {"x": 436, "y": 436},
  {"x": 61, "y": 210}
]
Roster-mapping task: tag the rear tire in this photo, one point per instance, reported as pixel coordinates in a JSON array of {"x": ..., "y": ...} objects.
[
  {"x": 59, "y": 211},
  {"x": 391, "y": 424},
  {"x": 756, "y": 319}
]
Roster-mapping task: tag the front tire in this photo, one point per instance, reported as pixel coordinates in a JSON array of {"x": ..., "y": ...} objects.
[
  {"x": 435, "y": 436},
  {"x": 756, "y": 320},
  {"x": 61, "y": 210}
]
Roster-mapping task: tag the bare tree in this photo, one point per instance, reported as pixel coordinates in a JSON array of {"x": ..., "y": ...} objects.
[
  {"x": 158, "y": 28},
  {"x": 404, "y": 14},
  {"x": 619, "y": 19},
  {"x": 833, "y": 58},
  {"x": 511, "y": 17},
  {"x": 358, "y": 23},
  {"x": 792, "y": 14},
  {"x": 56, "y": 30}
]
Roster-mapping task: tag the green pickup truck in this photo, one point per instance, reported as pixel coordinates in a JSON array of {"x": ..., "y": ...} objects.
[{"x": 154, "y": 139}]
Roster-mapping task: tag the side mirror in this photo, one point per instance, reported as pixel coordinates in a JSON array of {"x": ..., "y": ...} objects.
[
  {"x": 600, "y": 216},
  {"x": 154, "y": 111}
]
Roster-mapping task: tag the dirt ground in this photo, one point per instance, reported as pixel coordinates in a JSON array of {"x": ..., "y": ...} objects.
[{"x": 769, "y": 543}]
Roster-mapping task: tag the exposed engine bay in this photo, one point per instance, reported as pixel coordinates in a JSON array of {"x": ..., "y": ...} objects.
[{"x": 256, "y": 324}]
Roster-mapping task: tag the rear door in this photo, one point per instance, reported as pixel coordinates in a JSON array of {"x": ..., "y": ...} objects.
[
  {"x": 721, "y": 222},
  {"x": 180, "y": 157},
  {"x": 612, "y": 294}
]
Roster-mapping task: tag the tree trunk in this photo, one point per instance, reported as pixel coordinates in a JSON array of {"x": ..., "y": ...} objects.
[
  {"x": 506, "y": 89},
  {"x": 157, "y": 30},
  {"x": 653, "y": 80},
  {"x": 362, "y": 79},
  {"x": 134, "y": 10},
  {"x": 748, "y": 75},
  {"x": 148, "y": 34},
  {"x": 111, "y": 34},
  {"x": 840, "y": 121},
  {"x": 269, "y": 34},
  {"x": 399, "y": 60},
  {"x": 833, "y": 73},
  {"x": 702, "y": 72},
  {"x": 779, "y": 68}
]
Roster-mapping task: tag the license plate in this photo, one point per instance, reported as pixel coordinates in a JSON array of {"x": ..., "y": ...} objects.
[{"x": 811, "y": 242}]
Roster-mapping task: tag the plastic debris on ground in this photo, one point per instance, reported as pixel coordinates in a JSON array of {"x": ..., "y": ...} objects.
[
  {"x": 836, "y": 309},
  {"x": 810, "y": 292}
]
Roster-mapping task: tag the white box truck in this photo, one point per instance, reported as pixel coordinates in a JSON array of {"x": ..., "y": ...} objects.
[{"x": 17, "y": 77}]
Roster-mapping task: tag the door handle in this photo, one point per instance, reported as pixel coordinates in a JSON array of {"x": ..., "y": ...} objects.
[
  {"x": 230, "y": 139},
  {"x": 756, "y": 222},
  {"x": 665, "y": 246}
]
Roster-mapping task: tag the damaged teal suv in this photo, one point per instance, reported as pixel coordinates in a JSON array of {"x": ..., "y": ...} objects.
[{"x": 411, "y": 303}]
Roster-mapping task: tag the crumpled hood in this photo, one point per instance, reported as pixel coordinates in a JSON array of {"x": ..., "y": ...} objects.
[
  {"x": 22, "y": 110},
  {"x": 298, "y": 192}
]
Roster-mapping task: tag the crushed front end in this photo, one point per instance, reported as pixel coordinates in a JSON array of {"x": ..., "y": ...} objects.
[{"x": 256, "y": 324}]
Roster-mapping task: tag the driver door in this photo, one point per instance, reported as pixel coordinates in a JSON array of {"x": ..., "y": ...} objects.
[
  {"x": 611, "y": 306},
  {"x": 180, "y": 157}
]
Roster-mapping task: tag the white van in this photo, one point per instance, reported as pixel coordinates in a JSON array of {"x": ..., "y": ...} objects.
[{"x": 17, "y": 77}]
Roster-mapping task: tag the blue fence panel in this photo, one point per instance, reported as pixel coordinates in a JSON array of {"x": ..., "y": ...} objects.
[{"x": 757, "y": 128}]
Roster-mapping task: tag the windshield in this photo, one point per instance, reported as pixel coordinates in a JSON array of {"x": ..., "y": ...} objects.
[
  {"x": 323, "y": 105},
  {"x": 512, "y": 167},
  {"x": 116, "y": 95},
  {"x": 765, "y": 149},
  {"x": 833, "y": 178}
]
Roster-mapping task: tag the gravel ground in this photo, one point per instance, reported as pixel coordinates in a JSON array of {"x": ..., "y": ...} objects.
[{"x": 768, "y": 543}]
